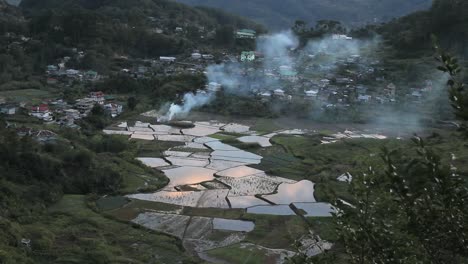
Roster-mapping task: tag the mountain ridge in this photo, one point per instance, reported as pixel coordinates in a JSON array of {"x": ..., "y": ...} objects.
[{"x": 281, "y": 14}]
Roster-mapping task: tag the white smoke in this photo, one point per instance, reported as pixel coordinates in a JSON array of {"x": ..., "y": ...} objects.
[
  {"x": 276, "y": 48},
  {"x": 279, "y": 53},
  {"x": 190, "y": 101}
]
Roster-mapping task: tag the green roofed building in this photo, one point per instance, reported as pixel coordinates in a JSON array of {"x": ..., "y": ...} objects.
[
  {"x": 247, "y": 56},
  {"x": 246, "y": 34}
]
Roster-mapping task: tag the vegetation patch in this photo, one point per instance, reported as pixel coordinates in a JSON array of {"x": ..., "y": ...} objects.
[
  {"x": 214, "y": 212},
  {"x": 243, "y": 254},
  {"x": 278, "y": 232},
  {"x": 70, "y": 231}
]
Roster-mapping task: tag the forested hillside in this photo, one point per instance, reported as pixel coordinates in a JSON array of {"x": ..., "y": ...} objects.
[
  {"x": 105, "y": 29},
  {"x": 411, "y": 35},
  {"x": 280, "y": 14},
  {"x": 73, "y": 164}
]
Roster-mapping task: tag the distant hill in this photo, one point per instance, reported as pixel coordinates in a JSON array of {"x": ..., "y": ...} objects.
[
  {"x": 411, "y": 34},
  {"x": 280, "y": 14},
  {"x": 129, "y": 26},
  {"x": 13, "y": 2}
]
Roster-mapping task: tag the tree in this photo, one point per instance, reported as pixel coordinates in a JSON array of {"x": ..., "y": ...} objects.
[
  {"x": 299, "y": 26},
  {"x": 97, "y": 118},
  {"x": 132, "y": 103},
  {"x": 225, "y": 36},
  {"x": 457, "y": 89},
  {"x": 330, "y": 27}
]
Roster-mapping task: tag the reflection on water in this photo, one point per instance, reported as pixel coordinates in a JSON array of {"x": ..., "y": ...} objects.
[
  {"x": 218, "y": 145},
  {"x": 245, "y": 201},
  {"x": 302, "y": 191},
  {"x": 153, "y": 162},
  {"x": 181, "y": 161},
  {"x": 240, "y": 154},
  {"x": 316, "y": 209},
  {"x": 237, "y": 172},
  {"x": 229, "y": 165},
  {"x": 189, "y": 175},
  {"x": 271, "y": 210},
  {"x": 220, "y": 165},
  {"x": 233, "y": 225},
  {"x": 201, "y": 131}
]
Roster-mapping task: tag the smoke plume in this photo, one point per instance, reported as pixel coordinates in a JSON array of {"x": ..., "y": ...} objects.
[{"x": 190, "y": 101}]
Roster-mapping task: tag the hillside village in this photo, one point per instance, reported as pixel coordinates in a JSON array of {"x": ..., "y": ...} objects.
[
  {"x": 149, "y": 131},
  {"x": 317, "y": 78}
]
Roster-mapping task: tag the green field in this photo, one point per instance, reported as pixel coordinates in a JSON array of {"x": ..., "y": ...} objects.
[
  {"x": 70, "y": 232},
  {"x": 242, "y": 254},
  {"x": 32, "y": 96}
]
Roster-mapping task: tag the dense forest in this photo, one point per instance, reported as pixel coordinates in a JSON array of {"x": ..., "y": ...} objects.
[
  {"x": 446, "y": 19},
  {"x": 105, "y": 29}
]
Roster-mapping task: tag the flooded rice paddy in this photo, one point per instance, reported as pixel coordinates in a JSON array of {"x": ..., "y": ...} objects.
[
  {"x": 220, "y": 175},
  {"x": 206, "y": 173}
]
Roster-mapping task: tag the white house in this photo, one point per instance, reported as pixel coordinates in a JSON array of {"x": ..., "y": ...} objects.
[
  {"x": 265, "y": 96},
  {"x": 113, "y": 109},
  {"x": 207, "y": 56},
  {"x": 341, "y": 37},
  {"x": 97, "y": 97},
  {"x": 8, "y": 109},
  {"x": 72, "y": 114},
  {"x": 72, "y": 72},
  {"x": 279, "y": 92},
  {"x": 167, "y": 59},
  {"x": 196, "y": 56},
  {"x": 214, "y": 87},
  {"x": 311, "y": 93},
  {"x": 364, "y": 98},
  {"x": 246, "y": 34}
]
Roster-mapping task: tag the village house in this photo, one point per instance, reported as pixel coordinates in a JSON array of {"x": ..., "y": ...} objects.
[
  {"x": 324, "y": 82},
  {"x": 247, "y": 56},
  {"x": 279, "y": 92},
  {"x": 391, "y": 90},
  {"x": 167, "y": 59},
  {"x": 214, "y": 87},
  {"x": 72, "y": 74},
  {"x": 416, "y": 96},
  {"x": 265, "y": 96},
  {"x": 23, "y": 131},
  {"x": 84, "y": 105},
  {"x": 97, "y": 97},
  {"x": 113, "y": 109},
  {"x": 44, "y": 136},
  {"x": 311, "y": 94},
  {"x": 341, "y": 37},
  {"x": 344, "y": 80},
  {"x": 41, "y": 111},
  {"x": 196, "y": 56},
  {"x": 91, "y": 76},
  {"x": 158, "y": 31},
  {"x": 72, "y": 114},
  {"x": 207, "y": 56},
  {"x": 246, "y": 34},
  {"x": 364, "y": 98},
  {"x": 8, "y": 109},
  {"x": 51, "y": 69}
]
